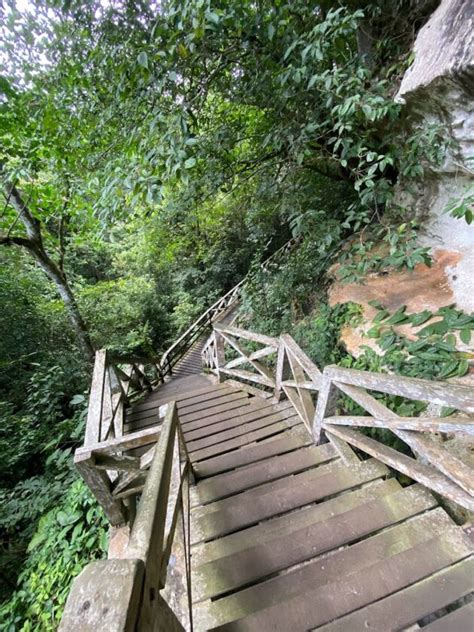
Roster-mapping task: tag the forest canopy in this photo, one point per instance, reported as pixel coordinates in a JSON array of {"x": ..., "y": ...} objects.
[{"x": 151, "y": 154}]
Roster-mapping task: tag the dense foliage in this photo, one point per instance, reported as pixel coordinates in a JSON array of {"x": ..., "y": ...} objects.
[{"x": 151, "y": 154}]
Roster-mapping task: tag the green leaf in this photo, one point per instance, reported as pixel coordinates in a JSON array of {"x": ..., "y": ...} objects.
[
  {"x": 142, "y": 59},
  {"x": 463, "y": 368},
  {"x": 398, "y": 317},
  {"x": 465, "y": 335},
  {"x": 189, "y": 163},
  {"x": 420, "y": 318}
]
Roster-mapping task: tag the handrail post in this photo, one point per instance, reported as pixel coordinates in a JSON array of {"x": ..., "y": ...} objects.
[
  {"x": 277, "y": 393},
  {"x": 219, "y": 353},
  {"x": 326, "y": 402}
]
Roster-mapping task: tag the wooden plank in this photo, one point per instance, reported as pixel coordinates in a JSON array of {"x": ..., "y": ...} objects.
[
  {"x": 232, "y": 422},
  {"x": 279, "y": 372},
  {"x": 411, "y": 604},
  {"x": 423, "y": 424},
  {"x": 248, "y": 375},
  {"x": 198, "y": 409},
  {"x": 297, "y": 403},
  {"x": 249, "y": 455},
  {"x": 240, "y": 429},
  {"x": 117, "y": 462},
  {"x": 246, "y": 439},
  {"x": 206, "y": 406},
  {"x": 344, "y": 450},
  {"x": 448, "y": 394},
  {"x": 420, "y": 472},
  {"x": 249, "y": 407},
  {"x": 321, "y": 571},
  {"x": 268, "y": 341},
  {"x": 182, "y": 399},
  {"x": 182, "y": 388},
  {"x": 246, "y": 358},
  {"x": 326, "y": 402},
  {"x": 255, "y": 355},
  {"x": 451, "y": 467},
  {"x": 94, "y": 411},
  {"x": 133, "y": 440},
  {"x": 263, "y": 472},
  {"x": 309, "y": 386},
  {"x": 281, "y": 496},
  {"x": 275, "y": 527},
  {"x": 148, "y": 531},
  {"x": 251, "y": 390},
  {"x": 99, "y": 484},
  {"x": 242, "y": 399},
  {"x": 303, "y": 360},
  {"x": 316, "y": 607},
  {"x": 460, "y": 620},
  {"x": 296, "y": 546}
]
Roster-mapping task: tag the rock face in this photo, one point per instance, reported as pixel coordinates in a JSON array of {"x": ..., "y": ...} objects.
[
  {"x": 443, "y": 50},
  {"x": 440, "y": 87}
]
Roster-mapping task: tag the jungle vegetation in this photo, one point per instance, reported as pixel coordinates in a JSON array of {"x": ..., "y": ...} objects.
[{"x": 151, "y": 154}]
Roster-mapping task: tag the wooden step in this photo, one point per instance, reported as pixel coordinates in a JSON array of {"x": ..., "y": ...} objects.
[
  {"x": 206, "y": 406},
  {"x": 327, "y": 569},
  {"x": 252, "y": 454},
  {"x": 314, "y": 607},
  {"x": 246, "y": 439},
  {"x": 295, "y": 546},
  {"x": 256, "y": 422},
  {"x": 232, "y": 402},
  {"x": 409, "y": 605},
  {"x": 255, "y": 409},
  {"x": 263, "y": 472},
  {"x": 278, "y": 497},
  {"x": 300, "y": 518},
  {"x": 460, "y": 620}
]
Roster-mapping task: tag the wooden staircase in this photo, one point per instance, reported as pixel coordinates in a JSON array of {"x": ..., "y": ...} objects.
[
  {"x": 286, "y": 536},
  {"x": 279, "y": 529}
]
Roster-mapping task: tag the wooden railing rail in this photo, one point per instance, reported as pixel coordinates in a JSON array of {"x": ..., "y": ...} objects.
[
  {"x": 111, "y": 475},
  {"x": 279, "y": 365},
  {"x": 143, "y": 562},
  {"x": 213, "y": 314}
]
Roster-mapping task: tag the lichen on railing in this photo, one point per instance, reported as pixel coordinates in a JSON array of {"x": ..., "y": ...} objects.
[{"x": 281, "y": 367}]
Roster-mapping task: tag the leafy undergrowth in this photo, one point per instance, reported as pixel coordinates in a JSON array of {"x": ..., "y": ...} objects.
[
  {"x": 292, "y": 299},
  {"x": 66, "y": 539}
]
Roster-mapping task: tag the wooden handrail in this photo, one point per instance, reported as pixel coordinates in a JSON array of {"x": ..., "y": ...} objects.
[
  {"x": 138, "y": 573},
  {"x": 313, "y": 395},
  {"x": 214, "y": 313}
]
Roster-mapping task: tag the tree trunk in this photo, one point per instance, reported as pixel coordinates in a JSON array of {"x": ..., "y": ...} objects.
[
  {"x": 34, "y": 244},
  {"x": 64, "y": 290}
]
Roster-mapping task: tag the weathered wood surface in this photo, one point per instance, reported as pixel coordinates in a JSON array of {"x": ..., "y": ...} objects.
[
  {"x": 250, "y": 454},
  {"x": 225, "y": 516},
  {"x": 314, "y": 607},
  {"x": 267, "y": 504},
  {"x": 448, "y": 394},
  {"x": 420, "y": 472},
  {"x": 318, "y": 572},
  {"x": 106, "y": 595},
  {"x": 296, "y": 546},
  {"x": 449, "y": 466},
  {"x": 460, "y": 620},
  {"x": 424, "y": 424},
  {"x": 100, "y": 485},
  {"x": 236, "y": 332},
  {"x": 96, "y": 396},
  {"x": 411, "y": 604}
]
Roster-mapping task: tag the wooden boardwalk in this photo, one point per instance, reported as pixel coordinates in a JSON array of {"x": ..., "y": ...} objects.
[{"x": 286, "y": 536}]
